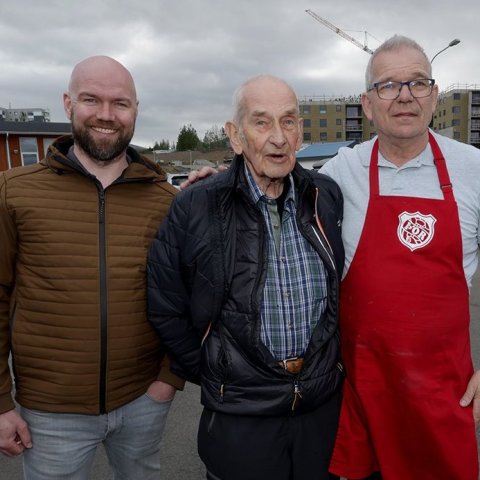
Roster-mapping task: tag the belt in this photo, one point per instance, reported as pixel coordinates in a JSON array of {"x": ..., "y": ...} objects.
[{"x": 292, "y": 365}]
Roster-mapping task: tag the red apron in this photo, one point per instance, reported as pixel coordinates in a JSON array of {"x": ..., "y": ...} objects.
[{"x": 404, "y": 319}]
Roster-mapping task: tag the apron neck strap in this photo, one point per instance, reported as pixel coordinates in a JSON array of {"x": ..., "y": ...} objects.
[{"x": 439, "y": 160}]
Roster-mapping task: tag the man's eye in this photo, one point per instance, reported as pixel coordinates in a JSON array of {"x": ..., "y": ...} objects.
[
  {"x": 387, "y": 86},
  {"x": 420, "y": 83}
]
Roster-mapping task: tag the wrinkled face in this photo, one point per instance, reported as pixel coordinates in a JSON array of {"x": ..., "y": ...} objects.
[
  {"x": 405, "y": 117},
  {"x": 102, "y": 107},
  {"x": 270, "y": 130}
]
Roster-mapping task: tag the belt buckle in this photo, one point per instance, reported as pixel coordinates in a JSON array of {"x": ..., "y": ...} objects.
[
  {"x": 286, "y": 361},
  {"x": 292, "y": 365}
]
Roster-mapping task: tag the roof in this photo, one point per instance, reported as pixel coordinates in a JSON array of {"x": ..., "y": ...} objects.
[
  {"x": 323, "y": 150},
  {"x": 36, "y": 128}
]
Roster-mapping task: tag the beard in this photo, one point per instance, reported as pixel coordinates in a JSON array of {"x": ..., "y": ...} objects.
[{"x": 104, "y": 150}]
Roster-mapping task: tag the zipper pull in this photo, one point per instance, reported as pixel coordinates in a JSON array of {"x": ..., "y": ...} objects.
[
  {"x": 297, "y": 396},
  {"x": 221, "y": 391}
]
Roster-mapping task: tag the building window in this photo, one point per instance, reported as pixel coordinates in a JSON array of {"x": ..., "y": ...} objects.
[
  {"x": 307, "y": 137},
  {"x": 307, "y": 123},
  {"x": 456, "y": 109},
  {"x": 353, "y": 112},
  {"x": 455, "y": 122},
  {"x": 305, "y": 109},
  {"x": 323, "y": 109},
  {"x": 338, "y": 108},
  {"x": 323, "y": 136},
  {"x": 456, "y": 96},
  {"x": 46, "y": 143},
  {"x": 339, "y": 135},
  {"x": 338, "y": 121},
  {"x": 28, "y": 149},
  {"x": 323, "y": 122}
]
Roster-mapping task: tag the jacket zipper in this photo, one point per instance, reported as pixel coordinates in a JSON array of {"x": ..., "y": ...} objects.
[
  {"x": 325, "y": 246},
  {"x": 103, "y": 300},
  {"x": 297, "y": 395},
  {"x": 323, "y": 241}
]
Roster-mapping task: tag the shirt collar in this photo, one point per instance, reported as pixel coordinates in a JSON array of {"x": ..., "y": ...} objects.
[
  {"x": 258, "y": 195},
  {"x": 424, "y": 158}
]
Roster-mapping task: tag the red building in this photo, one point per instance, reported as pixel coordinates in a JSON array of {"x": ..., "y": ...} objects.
[{"x": 24, "y": 143}]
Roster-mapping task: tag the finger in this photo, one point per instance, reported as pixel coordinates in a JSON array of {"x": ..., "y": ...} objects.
[
  {"x": 13, "y": 450},
  {"x": 468, "y": 395},
  {"x": 24, "y": 437}
]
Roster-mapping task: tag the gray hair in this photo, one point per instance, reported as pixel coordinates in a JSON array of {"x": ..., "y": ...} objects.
[
  {"x": 394, "y": 43},
  {"x": 238, "y": 100}
]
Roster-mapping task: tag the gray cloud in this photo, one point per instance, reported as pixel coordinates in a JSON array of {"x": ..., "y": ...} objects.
[{"x": 187, "y": 57}]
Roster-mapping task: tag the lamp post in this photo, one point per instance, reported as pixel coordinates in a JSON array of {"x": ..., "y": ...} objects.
[{"x": 454, "y": 42}]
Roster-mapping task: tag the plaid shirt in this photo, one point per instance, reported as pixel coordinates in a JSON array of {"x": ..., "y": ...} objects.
[{"x": 295, "y": 292}]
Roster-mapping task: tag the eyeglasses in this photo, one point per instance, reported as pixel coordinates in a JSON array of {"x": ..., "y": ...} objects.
[{"x": 391, "y": 90}]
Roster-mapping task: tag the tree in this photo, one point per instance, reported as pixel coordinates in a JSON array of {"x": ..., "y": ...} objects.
[
  {"x": 163, "y": 145},
  {"x": 215, "y": 138},
  {"x": 187, "y": 138}
]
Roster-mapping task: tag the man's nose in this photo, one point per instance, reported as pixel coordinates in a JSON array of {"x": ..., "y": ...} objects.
[
  {"x": 277, "y": 136},
  {"x": 405, "y": 93},
  {"x": 105, "y": 111}
]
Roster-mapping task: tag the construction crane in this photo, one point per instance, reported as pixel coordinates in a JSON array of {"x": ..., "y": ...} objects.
[{"x": 339, "y": 32}]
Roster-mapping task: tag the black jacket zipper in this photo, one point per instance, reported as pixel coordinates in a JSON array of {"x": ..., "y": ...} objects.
[{"x": 103, "y": 300}]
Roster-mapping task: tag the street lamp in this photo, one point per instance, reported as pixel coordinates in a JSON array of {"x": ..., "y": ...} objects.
[{"x": 454, "y": 42}]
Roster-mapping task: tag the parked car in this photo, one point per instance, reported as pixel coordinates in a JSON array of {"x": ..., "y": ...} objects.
[{"x": 176, "y": 178}]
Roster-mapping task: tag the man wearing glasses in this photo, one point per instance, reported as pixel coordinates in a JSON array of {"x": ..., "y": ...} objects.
[{"x": 411, "y": 235}]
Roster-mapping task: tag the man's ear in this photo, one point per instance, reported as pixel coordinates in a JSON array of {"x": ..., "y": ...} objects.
[
  {"x": 300, "y": 134},
  {"x": 67, "y": 105},
  {"x": 233, "y": 134},
  {"x": 366, "y": 106}
]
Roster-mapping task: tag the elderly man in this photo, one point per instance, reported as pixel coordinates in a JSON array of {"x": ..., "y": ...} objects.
[
  {"x": 411, "y": 235},
  {"x": 243, "y": 284},
  {"x": 75, "y": 230}
]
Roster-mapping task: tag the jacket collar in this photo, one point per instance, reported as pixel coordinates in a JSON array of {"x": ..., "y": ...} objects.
[{"x": 139, "y": 167}]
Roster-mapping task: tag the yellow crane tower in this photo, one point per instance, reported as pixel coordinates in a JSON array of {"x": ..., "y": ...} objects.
[{"x": 340, "y": 32}]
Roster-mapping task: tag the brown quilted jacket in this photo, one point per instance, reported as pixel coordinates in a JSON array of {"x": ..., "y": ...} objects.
[{"x": 72, "y": 284}]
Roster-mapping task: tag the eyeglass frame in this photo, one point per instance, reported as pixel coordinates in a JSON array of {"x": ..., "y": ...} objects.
[{"x": 401, "y": 85}]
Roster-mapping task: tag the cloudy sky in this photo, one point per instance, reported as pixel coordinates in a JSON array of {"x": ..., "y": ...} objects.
[{"x": 187, "y": 57}]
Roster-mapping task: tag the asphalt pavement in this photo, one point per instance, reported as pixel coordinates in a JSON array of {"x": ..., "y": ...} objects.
[{"x": 179, "y": 451}]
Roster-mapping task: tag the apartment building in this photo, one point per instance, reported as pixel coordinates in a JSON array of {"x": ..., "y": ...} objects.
[
  {"x": 336, "y": 119},
  {"x": 24, "y": 114},
  {"x": 458, "y": 113}
]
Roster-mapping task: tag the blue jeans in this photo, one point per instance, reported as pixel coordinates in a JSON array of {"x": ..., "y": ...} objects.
[{"x": 64, "y": 445}]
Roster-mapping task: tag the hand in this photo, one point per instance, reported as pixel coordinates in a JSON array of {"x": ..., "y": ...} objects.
[
  {"x": 161, "y": 391},
  {"x": 196, "y": 175},
  {"x": 14, "y": 434},
  {"x": 472, "y": 393}
]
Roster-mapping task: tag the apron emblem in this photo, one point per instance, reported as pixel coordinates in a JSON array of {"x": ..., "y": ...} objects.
[{"x": 415, "y": 230}]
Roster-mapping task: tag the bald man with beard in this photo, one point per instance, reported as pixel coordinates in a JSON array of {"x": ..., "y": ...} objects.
[{"x": 75, "y": 229}]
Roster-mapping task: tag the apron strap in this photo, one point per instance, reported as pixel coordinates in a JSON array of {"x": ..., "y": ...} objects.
[
  {"x": 439, "y": 160},
  {"x": 442, "y": 172}
]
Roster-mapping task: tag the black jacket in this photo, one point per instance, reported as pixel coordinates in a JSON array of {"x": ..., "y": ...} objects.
[{"x": 194, "y": 291}]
